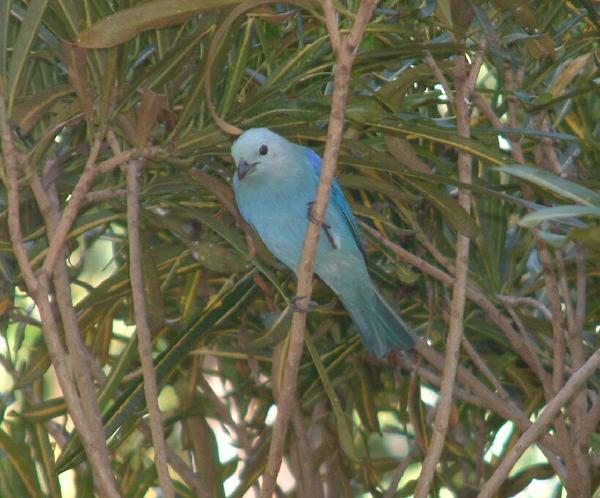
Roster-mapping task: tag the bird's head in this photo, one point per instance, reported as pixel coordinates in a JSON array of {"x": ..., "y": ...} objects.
[{"x": 259, "y": 151}]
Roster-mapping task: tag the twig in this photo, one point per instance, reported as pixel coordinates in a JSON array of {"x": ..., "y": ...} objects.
[
  {"x": 176, "y": 462},
  {"x": 558, "y": 359},
  {"x": 48, "y": 204},
  {"x": 483, "y": 368},
  {"x": 78, "y": 195},
  {"x": 390, "y": 492},
  {"x": 99, "y": 196},
  {"x": 308, "y": 470},
  {"x": 533, "y": 361},
  {"x": 39, "y": 291},
  {"x": 459, "y": 290},
  {"x": 529, "y": 301},
  {"x": 345, "y": 51},
  {"x": 439, "y": 75},
  {"x": 546, "y": 417},
  {"x": 136, "y": 276}
]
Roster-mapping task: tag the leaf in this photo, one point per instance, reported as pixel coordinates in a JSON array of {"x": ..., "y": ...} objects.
[
  {"x": 75, "y": 59},
  {"x": 127, "y": 23},
  {"x": 555, "y": 184},
  {"x": 343, "y": 426},
  {"x": 4, "y": 22},
  {"x": 19, "y": 456},
  {"x": 439, "y": 135},
  {"x": 22, "y": 48},
  {"x": 28, "y": 110},
  {"x": 37, "y": 366},
  {"x": 557, "y": 213},
  {"x": 236, "y": 72}
]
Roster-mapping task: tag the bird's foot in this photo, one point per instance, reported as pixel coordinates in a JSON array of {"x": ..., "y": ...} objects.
[
  {"x": 309, "y": 213},
  {"x": 299, "y": 308},
  {"x": 326, "y": 226}
]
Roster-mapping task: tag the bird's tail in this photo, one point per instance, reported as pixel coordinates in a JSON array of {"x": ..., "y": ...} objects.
[{"x": 380, "y": 327}]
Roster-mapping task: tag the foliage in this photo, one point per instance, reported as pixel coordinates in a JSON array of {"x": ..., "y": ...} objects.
[{"x": 151, "y": 72}]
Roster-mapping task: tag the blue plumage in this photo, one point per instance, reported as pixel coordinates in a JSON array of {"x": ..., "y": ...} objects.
[{"x": 274, "y": 184}]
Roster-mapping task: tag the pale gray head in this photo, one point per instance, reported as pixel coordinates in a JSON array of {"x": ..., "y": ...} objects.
[{"x": 258, "y": 151}]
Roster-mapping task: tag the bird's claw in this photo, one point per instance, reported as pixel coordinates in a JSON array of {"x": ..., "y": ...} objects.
[
  {"x": 298, "y": 308},
  {"x": 326, "y": 226},
  {"x": 309, "y": 214}
]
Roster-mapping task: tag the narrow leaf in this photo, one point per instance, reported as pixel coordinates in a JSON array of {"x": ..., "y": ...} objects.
[
  {"x": 22, "y": 47},
  {"x": 558, "y": 213},
  {"x": 553, "y": 183},
  {"x": 75, "y": 59},
  {"x": 127, "y": 23}
]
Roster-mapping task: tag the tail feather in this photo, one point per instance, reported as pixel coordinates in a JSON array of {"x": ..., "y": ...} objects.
[{"x": 380, "y": 327}]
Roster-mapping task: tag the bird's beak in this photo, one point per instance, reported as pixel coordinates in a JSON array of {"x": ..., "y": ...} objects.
[{"x": 245, "y": 168}]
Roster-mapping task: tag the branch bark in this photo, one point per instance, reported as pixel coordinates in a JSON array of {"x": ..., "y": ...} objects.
[
  {"x": 344, "y": 49},
  {"x": 533, "y": 433},
  {"x": 459, "y": 290}
]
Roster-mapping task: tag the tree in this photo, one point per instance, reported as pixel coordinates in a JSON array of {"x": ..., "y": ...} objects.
[{"x": 469, "y": 154}]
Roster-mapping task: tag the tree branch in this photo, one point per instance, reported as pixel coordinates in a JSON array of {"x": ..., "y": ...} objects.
[
  {"x": 345, "y": 52},
  {"x": 459, "y": 290},
  {"x": 533, "y": 433}
]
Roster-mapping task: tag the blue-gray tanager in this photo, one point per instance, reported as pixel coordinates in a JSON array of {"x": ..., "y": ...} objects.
[{"x": 275, "y": 184}]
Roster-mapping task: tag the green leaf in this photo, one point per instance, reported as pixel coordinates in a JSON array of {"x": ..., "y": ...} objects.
[
  {"x": 125, "y": 24},
  {"x": 344, "y": 427},
  {"x": 19, "y": 456},
  {"x": 555, "y": 184},
  {"x": 557, "y": 213},
  {"x": 22, "y": 47}
]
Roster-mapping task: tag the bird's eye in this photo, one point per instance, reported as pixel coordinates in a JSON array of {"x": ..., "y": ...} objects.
[{"x": 263, "y": 150}]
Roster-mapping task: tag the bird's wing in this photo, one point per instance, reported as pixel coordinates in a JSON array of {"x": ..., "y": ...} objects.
[{"x": 337, "y": 199}]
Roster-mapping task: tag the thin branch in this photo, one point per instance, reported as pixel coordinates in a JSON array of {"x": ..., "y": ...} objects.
[
  {"x": 459, "y": 292},
  {"x": 439, "y": 75},
  {"x": 576, "y": 381},
  {"x": 345, "y": 53},
  {"x": 390, "y": 492},
  {"x": 558, "y": 359},
  {"x": 178, "y": 465},
  {"x": 484, "y": 369},
  {"x": 78, "y": 195},
  {"x": 529, "y": 301},
  {"x": 308, "y": 470},
  {"x": 136, "y": 276},
  {"x": 99, "y": 196},
  {"x": 48, "y": 204}
]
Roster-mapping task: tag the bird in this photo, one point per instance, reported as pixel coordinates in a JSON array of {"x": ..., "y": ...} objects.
[{"x": 275, "y": 183}]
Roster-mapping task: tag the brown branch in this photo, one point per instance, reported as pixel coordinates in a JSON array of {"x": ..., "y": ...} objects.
[
  {"x": 558, "y": 359},
  {"x": 576, "y": 381},
  {"x": 136, "y": 276},
  {"x": 459, "y": 290},
  {"x": 529, "y": 301},
  {"x": 390, "y": 492},
  {"x": 179, "y": 466},
  {"x": 309, "y": 472},
  {"x": 48, "y": 204},
  {"x": 39, "y": 291},
  {"x": 345, "y": 51},
  {"x": 78, "y": 195},
  {"x": 439, "y": 75},
  {"x": 99, "y": 196}
]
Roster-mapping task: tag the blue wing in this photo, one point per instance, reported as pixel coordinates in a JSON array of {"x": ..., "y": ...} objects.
[{"x": 337, "y": 199}]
